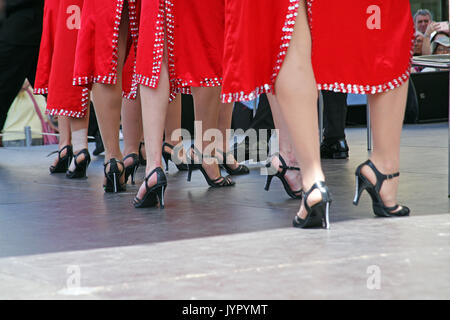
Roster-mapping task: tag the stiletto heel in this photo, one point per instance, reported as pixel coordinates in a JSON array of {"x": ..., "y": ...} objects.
[
  {"x": 281, "y": 175},
  {"x": 142, "y": 161},
  {"x": 168, "y": 156},
  {"x": 358, "y": 190},
  {"x": 80, "y": 168},
  {"x": 216, "y": 183},
  {"x": 160, "y": 194},
  {"x": 153, "y": 194},
  {"x": 319, "y": 214},
  {"x": 63, "y": 162},
  {"x": 378, "y": 206},
  {"x": 190, "y": 166},
  {"x": 166, "y": 160},
  {"x": 131, "y": 169},
  {"x": 113, "y": 176},
  {"x": 268, "y": 182}
]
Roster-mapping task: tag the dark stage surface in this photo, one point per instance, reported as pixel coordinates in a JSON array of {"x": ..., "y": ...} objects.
[{"x": 232, "y": 243}]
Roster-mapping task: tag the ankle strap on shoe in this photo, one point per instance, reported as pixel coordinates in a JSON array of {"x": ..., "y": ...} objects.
[
  {"x": 380, "y": 176},
  {"x": 160, "y": 179},
  {"x": 134, "y": 156},
  {"x": 283, "y": 165},
  {"x": 322, "y": 187},
  {"x": 113, "y": 166},
  {"x": 69, "y": 151}
]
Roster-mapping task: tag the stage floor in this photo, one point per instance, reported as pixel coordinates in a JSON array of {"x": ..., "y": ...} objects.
[{"x": 62, "y": 239}]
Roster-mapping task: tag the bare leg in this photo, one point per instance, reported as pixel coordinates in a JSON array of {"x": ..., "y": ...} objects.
[
  {"x": 108, "y": 101},
  {"x": 79, "y": 129},
  {"x": 206, "y": 106},
  {"x": 173, "y": 122},
  {"x": 297, "y": 97},
  {"x": 286, "y": 148},
  {"x": 387, "y": 111},
  {"x": 131, "y": 127},
  {"x": 154, "y": 110},
  {"x": 224, "y": 124},
  {"x": 65, "y": 137}
]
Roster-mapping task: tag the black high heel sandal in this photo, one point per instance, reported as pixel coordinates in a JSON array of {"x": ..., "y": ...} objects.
[
  {"x": 142, "y": 160},
  {"x": 318, "y": 215},
  {"x": 113, "y": 176},
  {"x": 362, "y": 183},
  {"x": 81, "y": 167},
  {"x": 240, "y": 170},
  {"x": 63, "y": 162},
  {"x": 216, "y": 183},
  {"x": 281, "y": 175},
  {"x": 168, "y": 156},
  {"x": 153, "y": 194},
  {"x": 131, "y": 169}
]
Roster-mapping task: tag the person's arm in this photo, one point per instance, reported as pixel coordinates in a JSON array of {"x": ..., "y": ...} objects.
[{"x": 426, "y": 47}]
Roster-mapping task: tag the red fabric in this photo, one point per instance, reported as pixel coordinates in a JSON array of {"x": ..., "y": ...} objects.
[
  {"x": 151, "y": 41},
  {"x": 345, "y": 52},
  {"x": 97, "y": 48},
  {"x": 253, "y": 44},
  {"x": 355, "y": 58},
  {"x": 57, "y": 57},
  {"x": 198, "y": 42},
  {"x": 195, "y": 31}
]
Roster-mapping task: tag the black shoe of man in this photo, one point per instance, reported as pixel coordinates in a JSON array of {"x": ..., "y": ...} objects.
[{"x": 334, "y": 150}]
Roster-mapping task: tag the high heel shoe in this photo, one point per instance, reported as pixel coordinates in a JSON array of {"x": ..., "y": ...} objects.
[
  {"x": 142, "y": 160},
  {"x": 362, "y": 183},
  {"x": 80, "y": 167},
  {"x": 63, "y": 162},
  {"x": 113, "y": 176},
  {"x": 319, "y": 214},
  {"x": 153, "y": 194},
  {"x": 281, "y": 175},
  {"x": 131, "y": 169},
  {"x": 216, "y": 183},
  {"x": 240, "y": 170},
  {"x": 168, "y": 156}
]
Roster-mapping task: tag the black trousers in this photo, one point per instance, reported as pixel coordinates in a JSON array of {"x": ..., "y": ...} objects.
[
  {"x": 334, "y": 115},
  {"x": 18, "y": 57},
  {"x": 243, "y": 118}
]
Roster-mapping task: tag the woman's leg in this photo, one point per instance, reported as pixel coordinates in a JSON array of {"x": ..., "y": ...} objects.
[
  {"x": 387, "y": 111},
  {"x": 296, "y": 93},
  {"x": 206, "y": 106},
  {"x": 173, "y": 123},
  {"x": 293, "y": 177},
  {"x": 224, "y": 124},
  {"x": 154, "y": 111},
  {"x": 65, "y": 138},
  {"x": 131, "y": 127},
  {"x": 108, "y": 100},
  {"x": 79, "y": 129}
]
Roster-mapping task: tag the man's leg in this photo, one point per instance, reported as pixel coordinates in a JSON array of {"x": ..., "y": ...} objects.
[
  {"x": 334, "y": 145},
  {"x": 263, "y": 120},
  {"x": 15, "y": 65}
]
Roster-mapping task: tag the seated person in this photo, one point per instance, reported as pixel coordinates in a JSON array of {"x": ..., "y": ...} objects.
[{"x": 440, "y": 45}]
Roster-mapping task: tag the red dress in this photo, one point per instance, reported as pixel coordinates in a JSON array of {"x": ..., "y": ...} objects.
[
  {"x": 194, "y": 33},
  {"x": 359, "y": 46},
  {"x": 57, "y": 57},
  {"x": 97, "y": 48}
]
